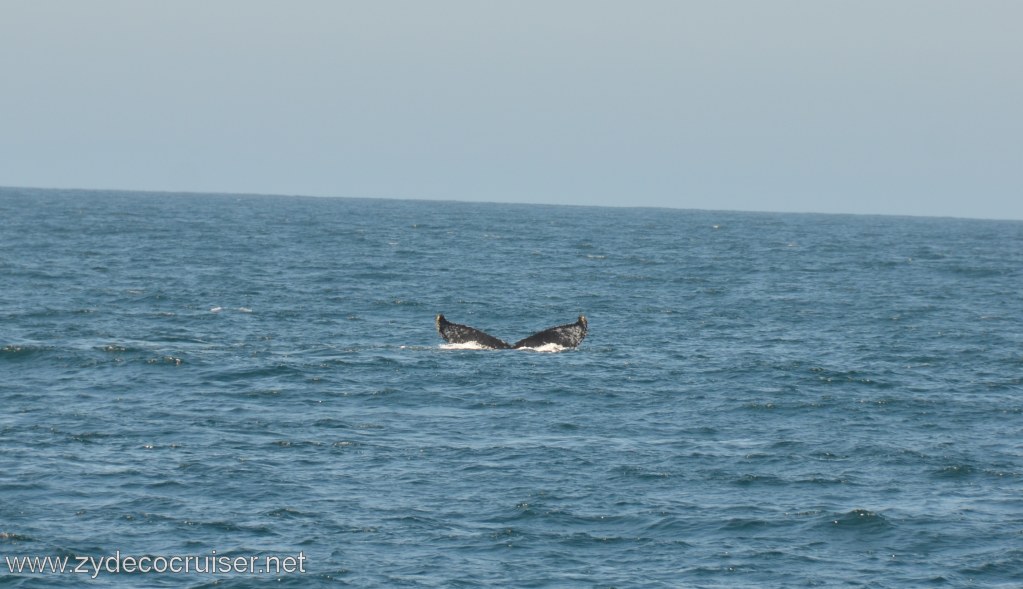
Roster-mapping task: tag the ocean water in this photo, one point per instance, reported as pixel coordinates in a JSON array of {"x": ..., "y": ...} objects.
[{"x": 763, "y": 400}]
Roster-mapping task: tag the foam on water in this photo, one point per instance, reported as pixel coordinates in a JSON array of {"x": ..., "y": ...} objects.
[
  {"x": 546, "y": 348},
  {"x": 464, "y": 346}
]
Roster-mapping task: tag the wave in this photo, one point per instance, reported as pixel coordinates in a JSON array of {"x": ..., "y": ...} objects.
[
  {"x": 19, "y": 351},
  {"x": 860, "y": 519}
]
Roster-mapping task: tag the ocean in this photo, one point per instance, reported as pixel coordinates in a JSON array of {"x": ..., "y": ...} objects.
[{"x": 194, "y": 382}]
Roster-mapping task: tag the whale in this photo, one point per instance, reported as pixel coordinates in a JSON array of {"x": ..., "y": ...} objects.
[{"x": 569, "y": 335}]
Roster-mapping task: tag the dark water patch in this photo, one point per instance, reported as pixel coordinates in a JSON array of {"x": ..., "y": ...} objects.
[
  {"x": 955, "y": 472},
  {"x": 860, "y": 520},
  {"x": 824, "y": 480},
  {"x": 757, "y": 480},
  {"x": 89, "y": 437},
  {"x": 331, "y": 423},
  {"x": 298, "y": 444},
  {"x": 288, "y": 513}
]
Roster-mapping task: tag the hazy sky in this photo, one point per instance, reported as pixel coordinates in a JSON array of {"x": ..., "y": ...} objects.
[{"x": 892, "y": 107}]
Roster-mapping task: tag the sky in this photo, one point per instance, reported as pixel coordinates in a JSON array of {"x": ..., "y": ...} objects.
[{"x": 905, "y": 107}]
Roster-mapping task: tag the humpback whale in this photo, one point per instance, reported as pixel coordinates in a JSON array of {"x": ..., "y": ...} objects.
[{"x": 569, "y": 335}]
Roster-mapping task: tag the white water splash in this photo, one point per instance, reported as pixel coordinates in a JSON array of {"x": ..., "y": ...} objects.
[
  {"x": 464, "y": 346},
  {"x": 547, "y": 348}
]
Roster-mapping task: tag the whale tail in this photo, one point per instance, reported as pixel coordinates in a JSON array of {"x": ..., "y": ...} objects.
[
  {"x": 463, "y": 334},
  {"x": 567, "y": 336}
]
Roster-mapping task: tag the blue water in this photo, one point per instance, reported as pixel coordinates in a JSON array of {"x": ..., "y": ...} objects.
[{"x": 763, "y": 400}]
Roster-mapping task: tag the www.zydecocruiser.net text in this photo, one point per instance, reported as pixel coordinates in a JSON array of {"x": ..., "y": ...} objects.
[{"x": 117, "y": 563}]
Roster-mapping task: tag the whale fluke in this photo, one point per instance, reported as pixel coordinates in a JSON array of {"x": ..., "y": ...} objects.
[
  {"x": 463, "y": 334},
  {"x": 568, "y": 336}
]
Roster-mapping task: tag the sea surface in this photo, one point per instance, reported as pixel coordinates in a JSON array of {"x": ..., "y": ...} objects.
[{"x": 763, "y": 400}]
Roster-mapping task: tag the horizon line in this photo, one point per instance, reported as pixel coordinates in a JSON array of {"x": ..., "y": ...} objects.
[{"x": 448, "y": 199}]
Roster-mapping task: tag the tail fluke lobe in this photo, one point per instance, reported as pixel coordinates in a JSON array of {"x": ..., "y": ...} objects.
[
  {"x": 463, "y": 334},
  {"x": 567, "y": 336}
]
